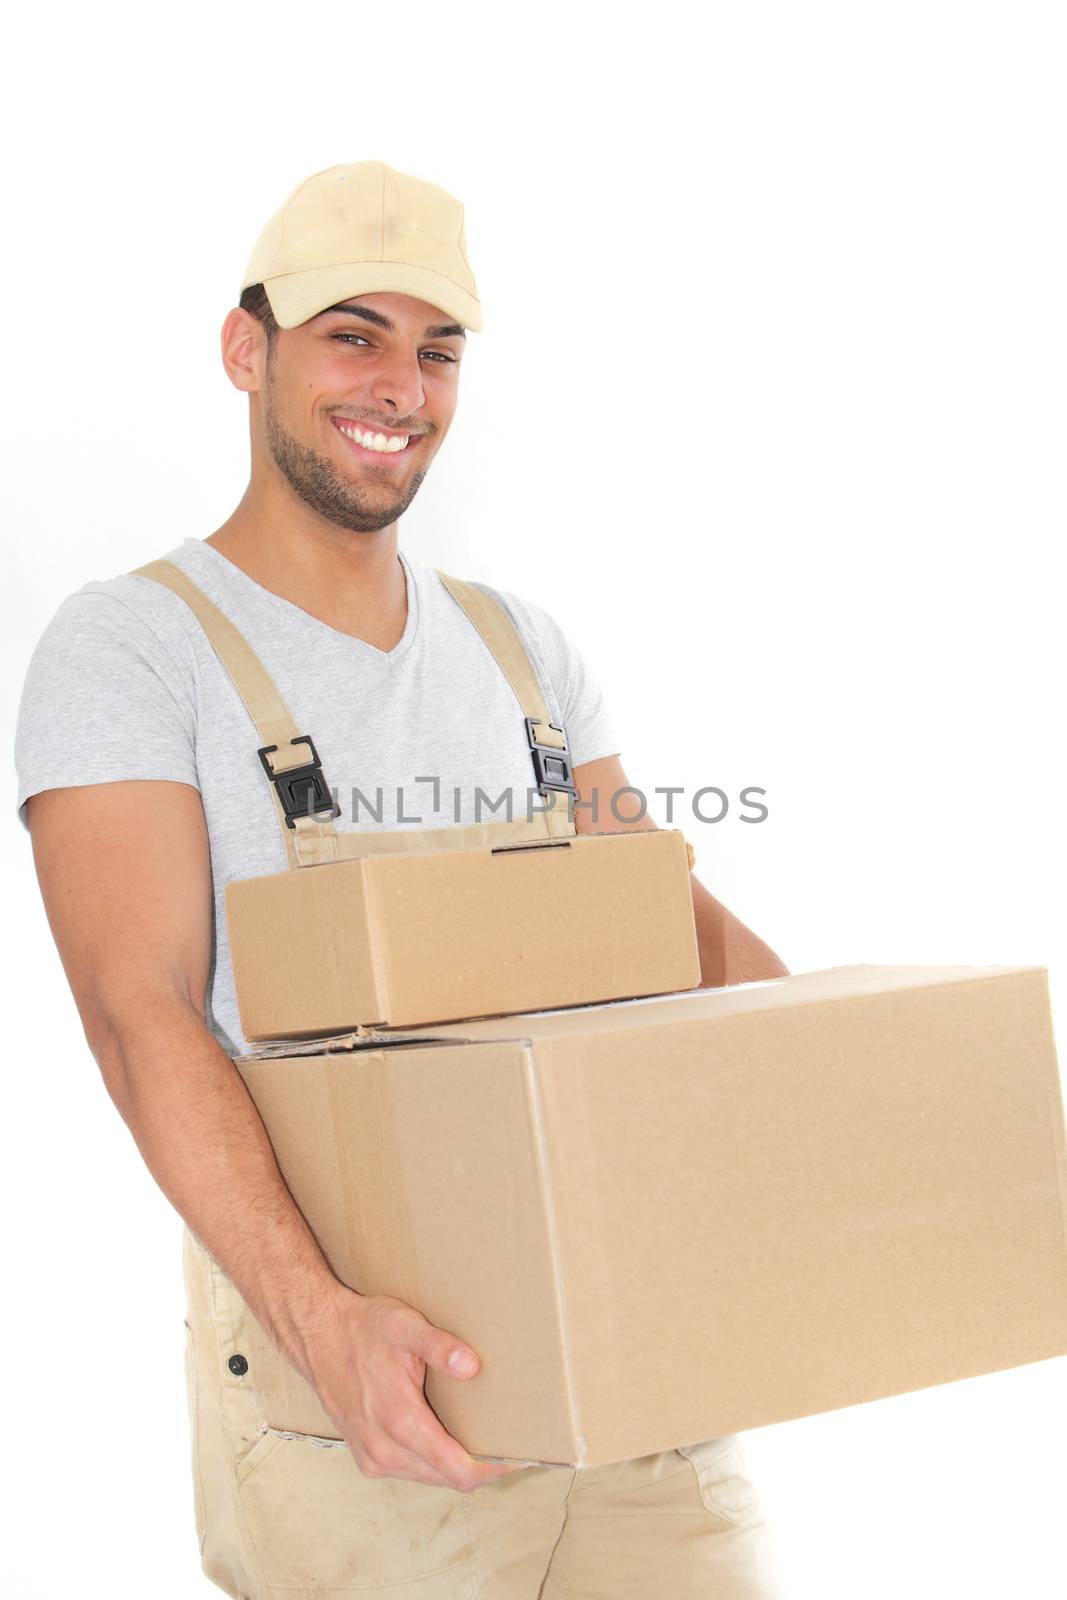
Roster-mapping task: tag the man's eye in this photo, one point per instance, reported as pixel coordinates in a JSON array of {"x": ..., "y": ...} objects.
[{"x": 437, "y": 354}]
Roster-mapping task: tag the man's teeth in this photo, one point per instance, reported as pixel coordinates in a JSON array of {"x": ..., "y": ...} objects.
[{"x": 376, "y": 441}]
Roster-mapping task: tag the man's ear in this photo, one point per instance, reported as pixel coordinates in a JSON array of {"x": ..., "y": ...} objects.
[{"x": 244, "y": 350}]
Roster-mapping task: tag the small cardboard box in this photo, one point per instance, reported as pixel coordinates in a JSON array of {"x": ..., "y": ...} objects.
[
  {"x": 665, "y": 1220},
  {"x": 403, "y": 939}
]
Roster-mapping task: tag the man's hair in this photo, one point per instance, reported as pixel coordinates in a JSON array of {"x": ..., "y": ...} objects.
[{"x": 254, "y": 299}]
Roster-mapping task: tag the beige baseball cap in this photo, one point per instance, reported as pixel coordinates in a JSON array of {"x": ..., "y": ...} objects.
[{"x": 364, "y": 228}]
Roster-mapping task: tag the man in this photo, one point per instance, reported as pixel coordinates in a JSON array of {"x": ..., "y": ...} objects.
[{"x": 142, "y": 803}]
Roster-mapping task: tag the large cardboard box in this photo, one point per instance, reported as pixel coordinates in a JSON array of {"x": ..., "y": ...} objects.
[
  {"x": 661, "y": 1221},
  {"x": 432, "y": 935}
]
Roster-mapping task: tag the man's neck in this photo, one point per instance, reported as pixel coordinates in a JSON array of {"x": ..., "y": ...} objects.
[{"x": 353, "y": 582}]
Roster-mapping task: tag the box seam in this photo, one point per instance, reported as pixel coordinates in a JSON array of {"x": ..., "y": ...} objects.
[
  {"x": 371, "y": 896},
  {"x": 535, "y": 1102},
  {"x": 1056, "y": 1107}
]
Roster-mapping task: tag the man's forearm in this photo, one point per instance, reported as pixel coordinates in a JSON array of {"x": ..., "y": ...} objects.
[
  {"x": 204, "y": 1142},
  {"x": 729, "y": 952}
]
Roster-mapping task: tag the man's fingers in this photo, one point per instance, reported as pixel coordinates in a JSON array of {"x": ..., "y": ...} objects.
[
  {"x": 401, "y": 1435},
  {"x": 396, "y": 1461},
  {"x": 426, "y": 1439},
  {"x": 444, "y": 1352}
]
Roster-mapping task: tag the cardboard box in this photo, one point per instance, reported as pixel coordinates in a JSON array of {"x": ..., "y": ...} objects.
[
  {"x": 665, "y": 1220},
  {"x": 425, "y": 936}
]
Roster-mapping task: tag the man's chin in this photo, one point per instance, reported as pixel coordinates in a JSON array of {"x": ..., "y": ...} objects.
[{"x": 371, "y": 513}]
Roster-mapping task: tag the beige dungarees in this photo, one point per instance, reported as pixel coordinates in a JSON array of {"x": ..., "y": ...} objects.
[{"x": 283, "y": 1515}]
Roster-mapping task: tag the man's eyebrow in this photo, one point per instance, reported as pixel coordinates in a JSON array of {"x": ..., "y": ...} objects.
[{"x": 440, "y": 330}]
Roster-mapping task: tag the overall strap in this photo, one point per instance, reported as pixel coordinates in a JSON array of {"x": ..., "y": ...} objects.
[
  {"x": 289, "y": 757},
  {"x": 547, "y": 741}
]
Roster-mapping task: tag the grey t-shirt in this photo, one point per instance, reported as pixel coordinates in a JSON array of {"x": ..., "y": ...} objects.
[{"x": 123, "y": 684}]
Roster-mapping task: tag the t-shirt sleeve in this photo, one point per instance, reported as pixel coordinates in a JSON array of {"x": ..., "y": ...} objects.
[
  {"x": 105, "y": 698},
  {"x": 587, "y": 717}
]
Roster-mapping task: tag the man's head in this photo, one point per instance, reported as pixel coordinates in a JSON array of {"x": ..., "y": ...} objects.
[{"x": 351, "y": 327}]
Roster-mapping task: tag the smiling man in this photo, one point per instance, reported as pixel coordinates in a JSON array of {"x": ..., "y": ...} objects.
[{"x": 140, "y": 785}]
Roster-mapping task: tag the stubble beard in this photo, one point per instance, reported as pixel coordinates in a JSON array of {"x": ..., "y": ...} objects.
[{"x": 322, "y": 487}]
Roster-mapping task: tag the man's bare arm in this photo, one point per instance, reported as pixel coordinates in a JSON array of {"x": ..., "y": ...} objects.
[
  {"x": 125, "y": 875},
  {"x": 729, "y": 951},
  {"x": 124, "y": 869}
]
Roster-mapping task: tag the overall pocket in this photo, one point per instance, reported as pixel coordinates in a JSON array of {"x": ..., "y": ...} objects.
[
  {"x": 308, "y": 1514},
  {"x": 722, "y": 1476},
  {"x": 315, "y": 1520}
]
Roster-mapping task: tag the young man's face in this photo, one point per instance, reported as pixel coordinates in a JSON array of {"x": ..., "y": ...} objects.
[{"x": 383, "y": 367}]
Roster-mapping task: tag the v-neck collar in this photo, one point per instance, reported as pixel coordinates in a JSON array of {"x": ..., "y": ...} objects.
[{"x": 385, "y": 657}]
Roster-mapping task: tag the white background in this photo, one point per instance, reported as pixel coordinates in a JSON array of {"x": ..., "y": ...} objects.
[{"x": 768, "y": 410}]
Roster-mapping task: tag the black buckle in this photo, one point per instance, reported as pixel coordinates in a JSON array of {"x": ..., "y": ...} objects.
[
  {"x": 302, "y": 790},
  {"x": 552, "y": 765}
]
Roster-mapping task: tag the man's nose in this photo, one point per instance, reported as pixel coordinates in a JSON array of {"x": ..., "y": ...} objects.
[{"x": 398, "y": 382}]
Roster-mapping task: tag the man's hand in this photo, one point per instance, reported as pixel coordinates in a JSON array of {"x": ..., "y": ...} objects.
[{"x": 369, "y": 1368}]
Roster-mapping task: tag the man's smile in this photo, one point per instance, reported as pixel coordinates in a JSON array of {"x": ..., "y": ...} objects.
[{"x": 374, "y": 444}]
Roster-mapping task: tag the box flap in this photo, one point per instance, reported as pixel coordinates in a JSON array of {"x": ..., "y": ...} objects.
[{"x": 768, "y": 994}]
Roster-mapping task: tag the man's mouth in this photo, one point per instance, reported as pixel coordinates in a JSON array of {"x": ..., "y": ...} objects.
[{"x": 375, "y": 444}]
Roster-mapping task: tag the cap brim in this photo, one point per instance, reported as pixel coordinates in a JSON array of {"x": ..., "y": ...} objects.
[{"x": 296, "y": 296}]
